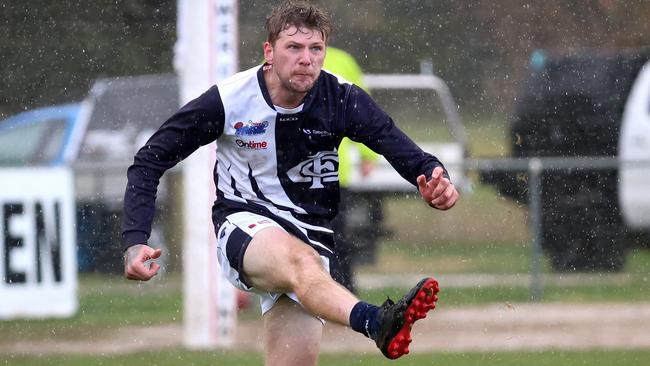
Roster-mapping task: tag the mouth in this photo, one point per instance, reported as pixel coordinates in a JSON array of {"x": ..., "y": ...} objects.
[
  {"x": 301, "y": 78},
  {"x": 304, "y": 71}
]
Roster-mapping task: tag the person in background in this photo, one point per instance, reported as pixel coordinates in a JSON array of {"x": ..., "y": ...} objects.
[{"x": 343, "y": 64}]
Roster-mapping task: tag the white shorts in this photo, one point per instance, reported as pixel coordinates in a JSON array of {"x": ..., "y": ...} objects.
[{"x": 233, "y": 237}]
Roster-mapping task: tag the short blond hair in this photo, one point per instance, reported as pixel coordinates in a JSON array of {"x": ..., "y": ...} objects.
[{"x": 300, "y": 14}]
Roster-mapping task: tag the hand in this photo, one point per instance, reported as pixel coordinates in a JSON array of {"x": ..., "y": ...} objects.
[
  {"x": 438, "y": 192},
  {"x": 134, "y": 258}
]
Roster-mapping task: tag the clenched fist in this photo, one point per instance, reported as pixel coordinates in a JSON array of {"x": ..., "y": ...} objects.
[{"x": 134, "y": 262}]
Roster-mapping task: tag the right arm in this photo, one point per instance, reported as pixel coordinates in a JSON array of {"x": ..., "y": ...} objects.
[
  {"x": 198, "y": 123},
  {"x": 370, "y": 125}
]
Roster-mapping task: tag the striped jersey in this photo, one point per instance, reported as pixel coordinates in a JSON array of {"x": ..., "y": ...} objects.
[{"x": 273, "y": 161}]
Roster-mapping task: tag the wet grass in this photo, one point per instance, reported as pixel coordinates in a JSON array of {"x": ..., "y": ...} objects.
[
  {"x": 634, "y": 289},
  {"x": 109, "y": 302},
  {"x": 106, "y": 302},
  {"x": 480, "y": 218},
  {"x": 456, "y": 258},
  {"x": 169, "y": 358}
]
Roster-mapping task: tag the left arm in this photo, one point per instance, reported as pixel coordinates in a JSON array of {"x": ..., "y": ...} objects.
[{"x": 370, "y": 125}]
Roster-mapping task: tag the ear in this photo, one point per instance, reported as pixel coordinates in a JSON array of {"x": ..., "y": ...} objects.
[{"x": 268, "y": 53}]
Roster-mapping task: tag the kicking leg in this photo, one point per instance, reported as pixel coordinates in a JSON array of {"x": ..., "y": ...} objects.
[
  {"x": 291, "y": 335},
  {"x": 279, "y": 262},
  {"x": 263, "y": 256}
]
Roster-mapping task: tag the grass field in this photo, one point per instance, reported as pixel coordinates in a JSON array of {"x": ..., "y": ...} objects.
[
  {"x": 176, "y": 358},
  {"x": 484, "y": 234},
  {"x": 423, "y": 243},
  {"x": 110, "y": 302},
  {"x": 107, "y": 302}
]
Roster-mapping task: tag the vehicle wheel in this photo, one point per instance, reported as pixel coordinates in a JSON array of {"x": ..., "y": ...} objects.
[{"x": 582, "y": 229}]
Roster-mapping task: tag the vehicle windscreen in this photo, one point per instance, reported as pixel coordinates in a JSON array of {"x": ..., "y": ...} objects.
[{"x": 34, "y": 143}]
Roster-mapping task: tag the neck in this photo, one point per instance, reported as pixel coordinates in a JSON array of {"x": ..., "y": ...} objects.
[{"x": 279, "y": 94}]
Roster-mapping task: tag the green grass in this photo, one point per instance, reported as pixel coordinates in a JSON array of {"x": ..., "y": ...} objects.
[
  {"x": 635, "y": 289},
  {"x": 169, "y": 358},
  {"x": 479, "y": 219},
  {"x": 468, "y": 257},
  {"x": 454, "y": 258},
  {"x": 106, "y": 303},
  {"x": 638, "y": 262},
  {"x": 483, "y": 233},
  {"x": 488, "y": 136}
]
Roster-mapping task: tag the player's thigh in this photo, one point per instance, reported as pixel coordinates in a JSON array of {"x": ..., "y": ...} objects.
[
  {"x": 273, "y": 257},
  {"x": 291, "y": 335}
]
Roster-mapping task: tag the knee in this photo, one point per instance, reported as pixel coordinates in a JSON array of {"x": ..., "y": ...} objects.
[{"x": 305, "y": 263}]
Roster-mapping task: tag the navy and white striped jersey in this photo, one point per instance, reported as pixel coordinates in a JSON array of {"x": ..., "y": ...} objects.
[{"x": 276, "y": 162}]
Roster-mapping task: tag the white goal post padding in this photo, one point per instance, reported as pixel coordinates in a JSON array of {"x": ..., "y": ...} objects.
[{"x": 205, "y": 52}]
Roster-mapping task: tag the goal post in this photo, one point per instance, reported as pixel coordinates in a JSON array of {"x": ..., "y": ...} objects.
[{"x": 205, "y": 53}]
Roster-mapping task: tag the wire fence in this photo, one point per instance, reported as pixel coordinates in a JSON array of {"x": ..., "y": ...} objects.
[{"x": 535, "y": 166}]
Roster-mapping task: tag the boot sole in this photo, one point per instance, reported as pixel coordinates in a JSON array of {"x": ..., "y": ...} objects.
[{"x": 421, "y": 300}]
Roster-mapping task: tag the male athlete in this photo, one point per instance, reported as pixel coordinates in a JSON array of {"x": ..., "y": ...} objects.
[{"x": 277, "y": 127}]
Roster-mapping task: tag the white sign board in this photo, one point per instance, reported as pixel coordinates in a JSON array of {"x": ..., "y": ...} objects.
[{"x": 38, "y": 268}]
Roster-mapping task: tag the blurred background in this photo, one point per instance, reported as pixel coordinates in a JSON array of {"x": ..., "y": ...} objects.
[
  {"x": 529, "y": 79},
  {"x": 53, "y": 52}
]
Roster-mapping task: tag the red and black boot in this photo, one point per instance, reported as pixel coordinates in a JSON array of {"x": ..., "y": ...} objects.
[{"x": 396, "y": 319}]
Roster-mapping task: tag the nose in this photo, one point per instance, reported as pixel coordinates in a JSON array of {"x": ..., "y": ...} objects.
[{"x": 305, "y": 57}]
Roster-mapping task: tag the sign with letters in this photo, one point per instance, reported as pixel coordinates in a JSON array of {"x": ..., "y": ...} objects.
[{"x": 38, "y": 269}]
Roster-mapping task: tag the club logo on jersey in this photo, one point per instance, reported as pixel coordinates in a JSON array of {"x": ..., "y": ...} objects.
[
  {"x": 253, "y": 145},
  {"x": 319, "y": 168},
  {"x": 250, "y": 128}
]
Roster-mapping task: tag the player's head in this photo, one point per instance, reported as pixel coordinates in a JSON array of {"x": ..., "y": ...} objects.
[
  {"x": 298, "y": 14},
  {"x": 295, "y": 48}
]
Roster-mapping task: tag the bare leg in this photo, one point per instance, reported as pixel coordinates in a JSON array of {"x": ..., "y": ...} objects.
[
  {"x": 291, "y": 335},
  {"x": 279, "y": 262},
  {"x": 275, "y": 261}
]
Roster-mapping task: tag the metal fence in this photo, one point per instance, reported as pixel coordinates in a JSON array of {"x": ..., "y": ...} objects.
[{"x": 535, "y": 166}]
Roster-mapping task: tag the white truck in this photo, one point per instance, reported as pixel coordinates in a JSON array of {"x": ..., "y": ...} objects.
[{"x": 634, "y": 146}]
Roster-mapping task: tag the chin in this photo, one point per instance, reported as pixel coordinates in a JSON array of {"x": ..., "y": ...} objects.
[
  {"x": 301, "y": 87},
  {"x": 305, "y": 88}
]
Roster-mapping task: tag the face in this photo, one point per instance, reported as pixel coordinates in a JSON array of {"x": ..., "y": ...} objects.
[{"x": 297, "y": 58}]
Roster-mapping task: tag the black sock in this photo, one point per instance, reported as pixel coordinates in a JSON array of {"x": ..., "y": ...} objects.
[{"x": 363, "y": 319}]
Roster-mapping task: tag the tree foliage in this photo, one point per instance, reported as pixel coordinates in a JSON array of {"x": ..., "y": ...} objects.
[{"x": 53, "y": 50}]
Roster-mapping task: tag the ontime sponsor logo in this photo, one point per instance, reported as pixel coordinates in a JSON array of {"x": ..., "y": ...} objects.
[{"x": 253, "y": 145}]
